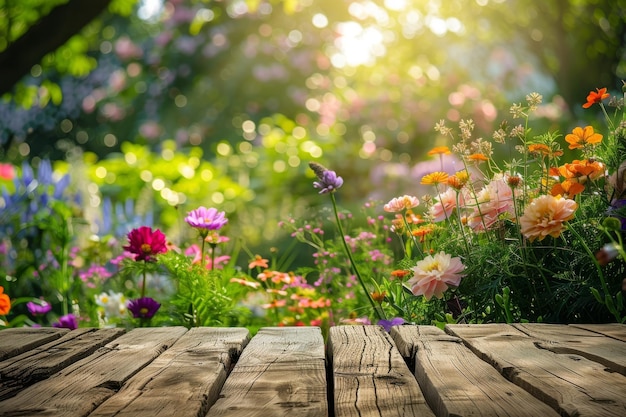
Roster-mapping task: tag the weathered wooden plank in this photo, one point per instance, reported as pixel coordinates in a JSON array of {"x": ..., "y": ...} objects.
[
  {"x": 194, "y": 368},
  {"x": 280, "y": 373},
  {"x": 37, "y": 364},
  {"x": 614, "y": 330},
  {"x": 456, "y": 382},
  {"x": 370, "y": 377},
  {"x": 571, "y": 384},
  {"x": 572, "y": 340},
  {"x": 21, "y": 339},
  {"x": 81, "y": 387}
]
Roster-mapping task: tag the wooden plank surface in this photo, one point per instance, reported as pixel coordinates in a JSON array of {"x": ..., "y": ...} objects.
[
  {"x": 456, "y": 382},
  {"x": 81, "y": 387},
  {"x": 370, "y": 377},
  {"x": 571, "y": 384},
  {"x": 613, "y": 330},
  {"x": 280, "y": 373},
  {"x": 21, "y": 339},
  {"x": 184, "y": 381},
  {"x": 41, "y": 362},
  {"x": 569, "y": 339}
]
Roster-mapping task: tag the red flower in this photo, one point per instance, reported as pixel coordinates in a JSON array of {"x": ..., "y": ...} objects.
[
  {"x": 145, "y": 243},
  {"x": 596, "y": 97}
]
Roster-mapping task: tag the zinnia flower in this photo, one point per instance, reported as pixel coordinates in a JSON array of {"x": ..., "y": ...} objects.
[
  {"x": 494, "y": 200},
  {"x": 596, "y": 97},
  {"x": 143, "y": 308},
  {"x": 580, "y": 137},
  {"x": 40, "y": 309},
  {"x": 401, "y": 203},
  {"x": 5, "y": 303},
  {"x": 206, "y": 218},
  {"x": 145, "y": 243},
  {"x": 445, "y": 205},
  {"x": 69, "y": 321},
  {"x": 328, "y": 181},
  {"x": 433, "y": 275},
  {"x": 546, "y": 215}
]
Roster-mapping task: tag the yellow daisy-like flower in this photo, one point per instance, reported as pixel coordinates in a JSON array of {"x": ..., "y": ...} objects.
[
  {"x": 437, "y": 177},
  {"x": 477, "y": 157}
]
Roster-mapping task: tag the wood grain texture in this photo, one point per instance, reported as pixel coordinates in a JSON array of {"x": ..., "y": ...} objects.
[
  {"x": 571, "y": 384},
  {"x": 194, "y": 368},
  {"x": 41, "y": 362},
  {"x": 370, "y": 377},
  {"x": 21, "y": 339},
  {"x": 280, "y": 373},
  {"x": 457, "y": 383},
  {"x": 82, "y": 386},
  {"x": 569, "y": 339},
  {"x": 613, "y": 330}
]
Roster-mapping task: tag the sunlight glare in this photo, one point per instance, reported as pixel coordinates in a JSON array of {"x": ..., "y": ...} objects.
[
  {"x": 357, "y": 45},
  {"x": 150, "y": 9}
]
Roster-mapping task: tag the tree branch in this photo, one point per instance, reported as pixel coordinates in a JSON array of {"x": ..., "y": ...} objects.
[{"x": 47, "y": 35}]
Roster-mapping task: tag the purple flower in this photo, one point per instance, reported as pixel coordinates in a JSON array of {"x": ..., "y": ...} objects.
[
  {"x": 328, "y": 181},
  {"x": 388, "y": 324},
  {"x": 206, "y": 218},
  {"x": 69, "y": 321},
  {"x": 143, "y": 308},
  {"x": 40, "y": 309}
]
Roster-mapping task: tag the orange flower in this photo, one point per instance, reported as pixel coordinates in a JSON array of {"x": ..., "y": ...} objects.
[
  {"x": 546, "y": 215},
  {"x": 458, "y": 180},
  {"x": 580, "y": 137},
  {"x": 439, "y": 150},
  {"x": 434, "y": 178},
  {"x": 581, "y": 171},
  {"x": 379, "y": 297},
  {"x": 258, "y": 262},
  {"x": 399, "y": 273},
  {"x": 539, "y": 148},
  {"x": 568, "y": 188},
  {"x": 477, "y": 157},
  {"x": 5, "y": 303},
  {"x": 596, "y": 97}
]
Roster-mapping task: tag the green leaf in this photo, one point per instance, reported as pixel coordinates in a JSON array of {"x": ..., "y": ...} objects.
[{"x": 596, "y": 294}]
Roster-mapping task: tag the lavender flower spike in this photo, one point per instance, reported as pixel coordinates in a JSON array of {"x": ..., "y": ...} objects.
[{"x": 328, "y": 182}]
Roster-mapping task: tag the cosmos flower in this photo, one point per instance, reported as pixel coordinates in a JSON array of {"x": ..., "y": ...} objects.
[
  {"x": 206, "y": 218},
  {"x": 579, "y": 138},
  {"x": 596, "y": 97},
  {"x": 38, "y": 309},
  {"x": 143, "y": 308},
  {"x": 68, "y": 321},
  {"x": 5, "y": 303}
]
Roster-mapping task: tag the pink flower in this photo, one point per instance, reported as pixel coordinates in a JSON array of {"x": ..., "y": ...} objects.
[
  {"x": 445, "y": 205},
  {"x": 204, "y": 218},
  {"x": 401, "y": 203},
  {"x": 546, "y": 215},
  {"x": 495, "y": 199},
  {"x": 433, "y": 275},
  {"x": 145, "y": 243},
  {"x": 7, "y": 171}
]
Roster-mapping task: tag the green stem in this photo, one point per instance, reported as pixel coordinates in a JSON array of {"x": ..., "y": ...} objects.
[
  {"x": 143, "y": 283},
  {"x": 376, "y": 307}
]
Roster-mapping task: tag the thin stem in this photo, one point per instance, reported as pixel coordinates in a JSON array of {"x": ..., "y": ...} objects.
[
  {"x": 376, "y": 307},
  {"x": 143, "y": 283}
]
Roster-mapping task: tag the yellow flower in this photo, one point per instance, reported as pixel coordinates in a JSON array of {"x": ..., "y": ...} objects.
[
  {"x": 439, "y": 150},
  {"x": 437, "y": 177}
]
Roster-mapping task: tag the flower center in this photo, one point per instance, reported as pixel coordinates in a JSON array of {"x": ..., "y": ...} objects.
[
  {"x": 143, "y": 311},
  {"x": 146, "y": 248}
]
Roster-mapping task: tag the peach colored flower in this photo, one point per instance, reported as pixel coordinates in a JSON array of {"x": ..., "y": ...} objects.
[
  {"x": 433, "y": 275},
  {"x": 445, "y": 205},
  {"x": 546, "y": 215},
  {"x": 259, "y": 262},
  {"x": 401, "y": 203}
]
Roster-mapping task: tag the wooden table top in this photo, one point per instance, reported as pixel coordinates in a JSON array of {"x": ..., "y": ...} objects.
[{"x": 486, "y": 370}]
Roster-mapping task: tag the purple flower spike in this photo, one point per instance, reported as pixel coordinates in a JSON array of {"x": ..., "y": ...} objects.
[
  {"x": 69, "y": 321},
  {"x": 388, "y": 324},
  {"x": 328, "y": 181},
  {"x": 143, "y": 308},
  {"x": 38, "y": 309}
]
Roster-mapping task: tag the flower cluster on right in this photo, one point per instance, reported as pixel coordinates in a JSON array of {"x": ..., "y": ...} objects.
[{"x": 537, "y": 237}]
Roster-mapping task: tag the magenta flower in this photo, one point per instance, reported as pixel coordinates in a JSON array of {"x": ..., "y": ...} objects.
[
  {"x": 206, "y": 218},
  {"x": 143, "y": 308},
  {"x": 145, "y": 244},
  {"x": 328, "y": 181},
  {"x": 69, "y": 321},
  {"x": 38, "y": 309}
]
